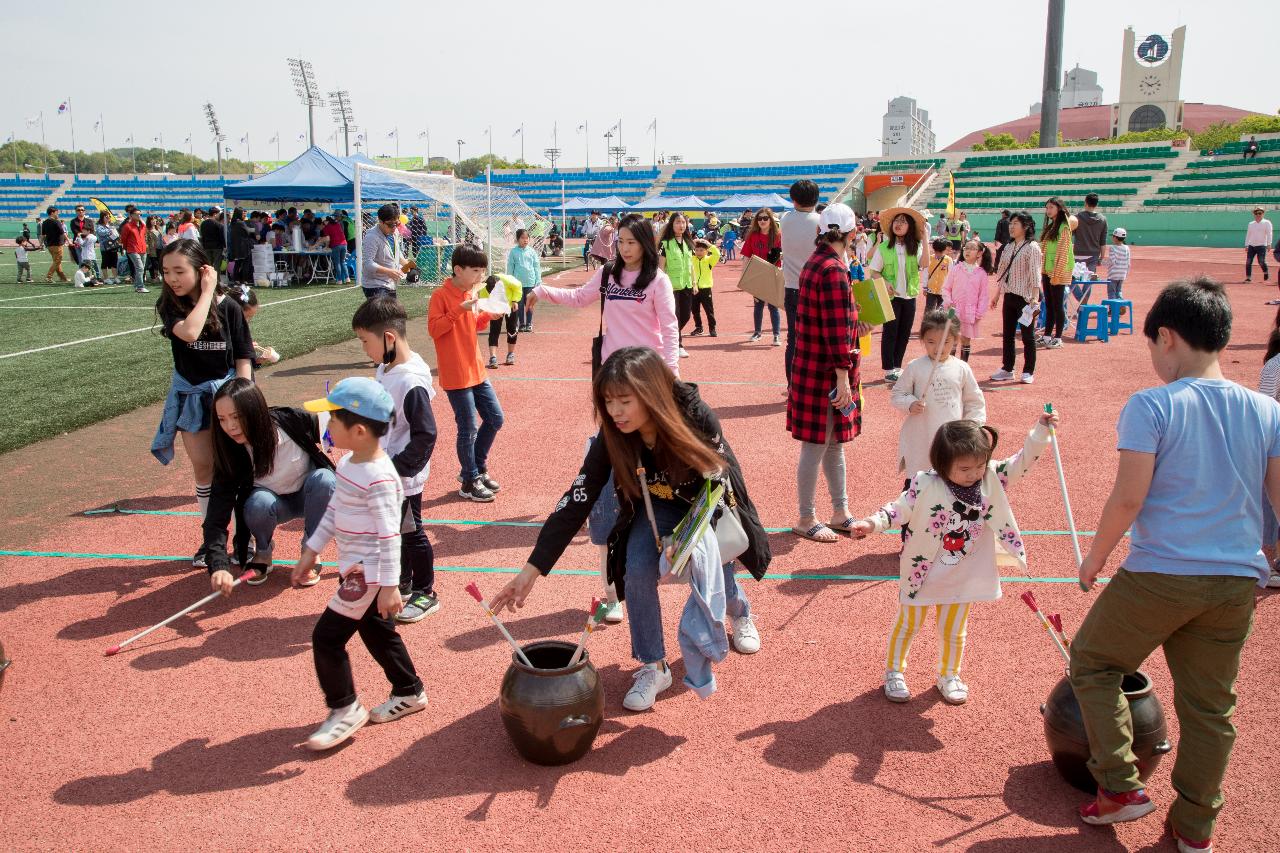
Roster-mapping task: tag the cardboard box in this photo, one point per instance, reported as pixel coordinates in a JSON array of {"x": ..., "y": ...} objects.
[
  {"x": 874, "y": 305},
  {"x": 763, "y": 281}
]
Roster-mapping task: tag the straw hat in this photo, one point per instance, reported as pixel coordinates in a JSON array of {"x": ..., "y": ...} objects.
[{"x": 887, "y": 217}]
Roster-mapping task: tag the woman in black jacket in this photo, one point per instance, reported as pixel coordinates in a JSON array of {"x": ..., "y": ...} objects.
[
  {"x": 649, "y": 419},
  {"x": 268, "y": 468}
]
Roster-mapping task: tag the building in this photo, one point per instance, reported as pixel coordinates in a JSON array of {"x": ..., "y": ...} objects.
[
  {"x": 907, "y": 130},
  {"x": 1079, "y": 89},
  {"x": 1150, "y": 80}
]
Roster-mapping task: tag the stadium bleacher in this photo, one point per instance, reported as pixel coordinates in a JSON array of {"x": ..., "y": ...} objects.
[
  {"x": 715, "y": 184},
  {"x": 20, "y": 196},
  {"x": 155, "y": 196},
  {"x": 909, "y": 165},
  {"x": 1214, "y": 180},
  {"x": 541, "y": 190}
]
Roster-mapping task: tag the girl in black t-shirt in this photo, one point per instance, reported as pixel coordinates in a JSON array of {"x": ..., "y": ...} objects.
[{"x": 210, "y": 342}]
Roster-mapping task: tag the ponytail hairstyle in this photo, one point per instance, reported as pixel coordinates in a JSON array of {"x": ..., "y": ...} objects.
[
  {"x": 1052, "y": 227},
  {"x": 170, "y": 304},
  {"x": 642, "y": 232},
  {"x": 960, "y": 439},
  {"x": 245, "y": 295},
  {"x": 669, "y": 231},
  {"x": 255, "y": 422},
  {"x": 984, "y": 260},
  {"x": 680, "y": 451}
]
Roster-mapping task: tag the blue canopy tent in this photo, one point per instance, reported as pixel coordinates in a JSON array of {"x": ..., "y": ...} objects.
[
  {"x": 608, "y": 204},
  {"x": 670, "y": 202},
  {"x": 316, "y": 175},
  {"x": 753, "y": 201}
]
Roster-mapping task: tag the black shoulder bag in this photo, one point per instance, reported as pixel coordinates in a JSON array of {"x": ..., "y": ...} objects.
[{"x": 597, "y": 344}]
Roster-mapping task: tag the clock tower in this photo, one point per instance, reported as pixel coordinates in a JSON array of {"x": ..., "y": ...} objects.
[{"x": 1150, "y": 78}]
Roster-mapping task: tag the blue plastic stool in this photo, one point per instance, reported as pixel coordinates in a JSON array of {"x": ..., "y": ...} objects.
[
  {"x": 1116, "y": 321},
  {"x": 1093, "y": 322}
]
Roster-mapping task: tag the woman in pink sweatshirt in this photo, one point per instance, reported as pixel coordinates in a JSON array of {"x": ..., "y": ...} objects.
[
  {"x": 638, "y": 306},
  {"x": 966, "y": 289}
]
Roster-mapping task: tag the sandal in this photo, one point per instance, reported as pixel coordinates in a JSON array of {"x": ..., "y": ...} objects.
[
  {"x": 844, "y": 528},
  {"x": 813, "y": 534}
]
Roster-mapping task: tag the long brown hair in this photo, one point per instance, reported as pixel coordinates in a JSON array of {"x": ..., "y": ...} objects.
[
  {"x": 255, "y": 423},
  {"x": 171, "y": 304},
  {"x": 669, "y": 231},
  {"x": 1053, "y": 226},
  {"x": 775, "y": 234},
  {"x": 640, "y": 372}
]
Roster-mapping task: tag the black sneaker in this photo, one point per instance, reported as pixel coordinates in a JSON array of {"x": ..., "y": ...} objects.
[
  {"x": 713, "y": 333},
  {"x": 489, "y": 483},
  {"x": 475, "y": 491},
  {"x": 696, "y": 333}
]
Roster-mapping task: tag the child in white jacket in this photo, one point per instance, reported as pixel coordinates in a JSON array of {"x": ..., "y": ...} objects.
[
  {"x": 952, "y": 394},
  {"x": 952, "y": 522}
]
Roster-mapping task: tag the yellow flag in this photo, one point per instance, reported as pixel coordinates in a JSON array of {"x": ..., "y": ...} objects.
[
  {"x": 100, "y": 206},
  {"x": 951, "y": 196}
]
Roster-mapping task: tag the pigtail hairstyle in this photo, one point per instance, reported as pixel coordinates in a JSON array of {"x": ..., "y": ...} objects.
[{"x": 958, "y": 439}]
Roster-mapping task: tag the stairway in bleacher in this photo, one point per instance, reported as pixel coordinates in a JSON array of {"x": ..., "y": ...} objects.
[
  {"x": 53, "y": 197},
  {"x": 660, "y": 183}
]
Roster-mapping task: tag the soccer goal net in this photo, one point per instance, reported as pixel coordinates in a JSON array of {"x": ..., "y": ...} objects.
[{"x": 439, "y": 213}]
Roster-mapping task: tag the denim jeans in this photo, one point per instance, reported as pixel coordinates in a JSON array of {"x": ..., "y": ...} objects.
[
  {"x": 758, "y": 316},
  {"x": 139, "y": 266},
  {"x": 1115, "y": 289},
  {"x": 375, "y": 292},
  {"x": 524, "y": 314},
  {"x": 338, "y": 260},
  {"x": 644, "y": 612},
  {"x": 1251, "y": 252},
  {"x": 473, "y": 444},
  {"x": 264, "y": 510}
]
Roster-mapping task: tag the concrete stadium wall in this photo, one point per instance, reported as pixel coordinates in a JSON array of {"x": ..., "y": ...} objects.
[{"x": 1217, "y": 229}]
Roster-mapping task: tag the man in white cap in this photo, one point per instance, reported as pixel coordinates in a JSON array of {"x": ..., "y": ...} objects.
[{"x": 1257, "y": 240}]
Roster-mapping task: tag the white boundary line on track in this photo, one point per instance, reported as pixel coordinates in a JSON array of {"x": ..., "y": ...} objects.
[
  {"x": 72, "y": 292},
  {"x": 146, "y": 328}
]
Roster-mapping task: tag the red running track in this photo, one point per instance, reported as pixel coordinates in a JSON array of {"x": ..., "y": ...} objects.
[{"x": 191, "y": 739}]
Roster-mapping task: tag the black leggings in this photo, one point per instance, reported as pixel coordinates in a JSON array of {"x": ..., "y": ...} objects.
[
  {"x": 684, "y": 309},
  {"x": 1055, "y": 315},
  {"x": 1012, "y": 309},
  {"x": 333, "y": 667},
  {"x": 495, "y": 329},
  {"x": 896, "y": 333},
  {"x": 417, "y": 559}
]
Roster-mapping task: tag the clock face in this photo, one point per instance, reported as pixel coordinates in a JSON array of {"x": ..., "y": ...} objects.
[{"x": 1150, "y": 84}]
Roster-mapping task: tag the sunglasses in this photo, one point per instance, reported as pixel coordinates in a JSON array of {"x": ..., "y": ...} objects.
[{"x": 762, "y": 219}]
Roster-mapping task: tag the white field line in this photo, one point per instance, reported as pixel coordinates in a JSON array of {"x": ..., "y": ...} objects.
[
  {"x": 79, "y": 292},
  {"x": 147, "y": 328},
  {"x": 77, "y": 307}
]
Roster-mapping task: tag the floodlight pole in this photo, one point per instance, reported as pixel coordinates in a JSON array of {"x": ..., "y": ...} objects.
[
  {"x": 1052, "y": 74},
  {"x": 355, "y": 188}
]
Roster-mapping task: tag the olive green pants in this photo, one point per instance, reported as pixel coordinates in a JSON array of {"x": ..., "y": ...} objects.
[{"x": 1201, "y": 622}]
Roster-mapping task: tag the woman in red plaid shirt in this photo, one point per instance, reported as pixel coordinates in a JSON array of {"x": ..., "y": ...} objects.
[{"x": 826, "y": 359}]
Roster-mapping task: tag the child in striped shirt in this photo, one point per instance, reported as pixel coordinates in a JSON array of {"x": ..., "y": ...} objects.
[
  {"x": 364, "y": 515},
  {"x": 1118, "y": 269}
]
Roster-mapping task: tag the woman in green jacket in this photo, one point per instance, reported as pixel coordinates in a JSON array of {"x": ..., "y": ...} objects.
[{"x": 675, "y": 248}]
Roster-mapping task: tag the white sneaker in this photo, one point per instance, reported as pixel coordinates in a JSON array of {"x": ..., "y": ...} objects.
[
  {"x": 397, "y": 707},
  {"x": 614, "y": 612},
  {"x": 342, "y": 724},
  {"x": 649, "y": 682},
  {"x": 1273, "y": 582},
  {"x": 746, "y": 639},
  {"x": 1054, "y": 343},
  {"x": 1002, "y": 375},
  {"x": 1027, "y": 378},
  {"x": 895, "y": 686},
  {"x": 684, "y": 353},
  {"x": 953, "y": 690}
]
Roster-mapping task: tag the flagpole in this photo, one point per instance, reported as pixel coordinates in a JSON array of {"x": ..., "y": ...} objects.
[
  {"x": 397, "y": 147},
  {"x": 490, "y": 134},
  {"x": 45, "y": 144},
  {"x": 133, "y": 152},
  {"x": 655, "y": 142},
  {"x": 277, "y": 146},
  {"x": 75, "y": 162},
  {"x": 247, "y": 155},
  {"x": 191, "y": 155},
  {"x": 521, "y": 143},
  {"x": 102, "y": 126},
  {"x": 586, "y": 135}
]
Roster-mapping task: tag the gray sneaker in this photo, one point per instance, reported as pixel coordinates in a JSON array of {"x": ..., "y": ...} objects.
[{"x": 419, "y": 606}]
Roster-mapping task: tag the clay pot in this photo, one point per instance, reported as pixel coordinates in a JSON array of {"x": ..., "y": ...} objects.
[
  {"x": 551, "y": 710},
  {"x": 1064, "y": 730}
]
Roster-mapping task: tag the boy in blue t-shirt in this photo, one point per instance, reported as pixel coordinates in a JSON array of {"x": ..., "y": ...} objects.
[{"x": 1195, "y": 457}]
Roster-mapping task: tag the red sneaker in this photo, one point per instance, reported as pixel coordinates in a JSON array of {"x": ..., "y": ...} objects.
[
  {"x": 1186, "y": 845},
  {"x": 1111, "y": 807}
]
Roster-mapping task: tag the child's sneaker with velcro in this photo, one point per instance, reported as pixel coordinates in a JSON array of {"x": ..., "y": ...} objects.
[
  {"x": 1116, "y": 807},
  {"x": 895, "y": 686}
]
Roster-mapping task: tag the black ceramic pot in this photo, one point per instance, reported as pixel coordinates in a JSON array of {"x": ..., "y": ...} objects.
[
  {"x": 551, "y": 710},
  {"x": 1064, "y": 730}
]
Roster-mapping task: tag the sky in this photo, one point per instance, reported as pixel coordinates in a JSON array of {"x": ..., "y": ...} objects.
[{"x": 739, "y": 81}]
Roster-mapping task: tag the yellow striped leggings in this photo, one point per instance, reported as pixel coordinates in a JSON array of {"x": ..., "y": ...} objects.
[{"x": 952, "y": 621}]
